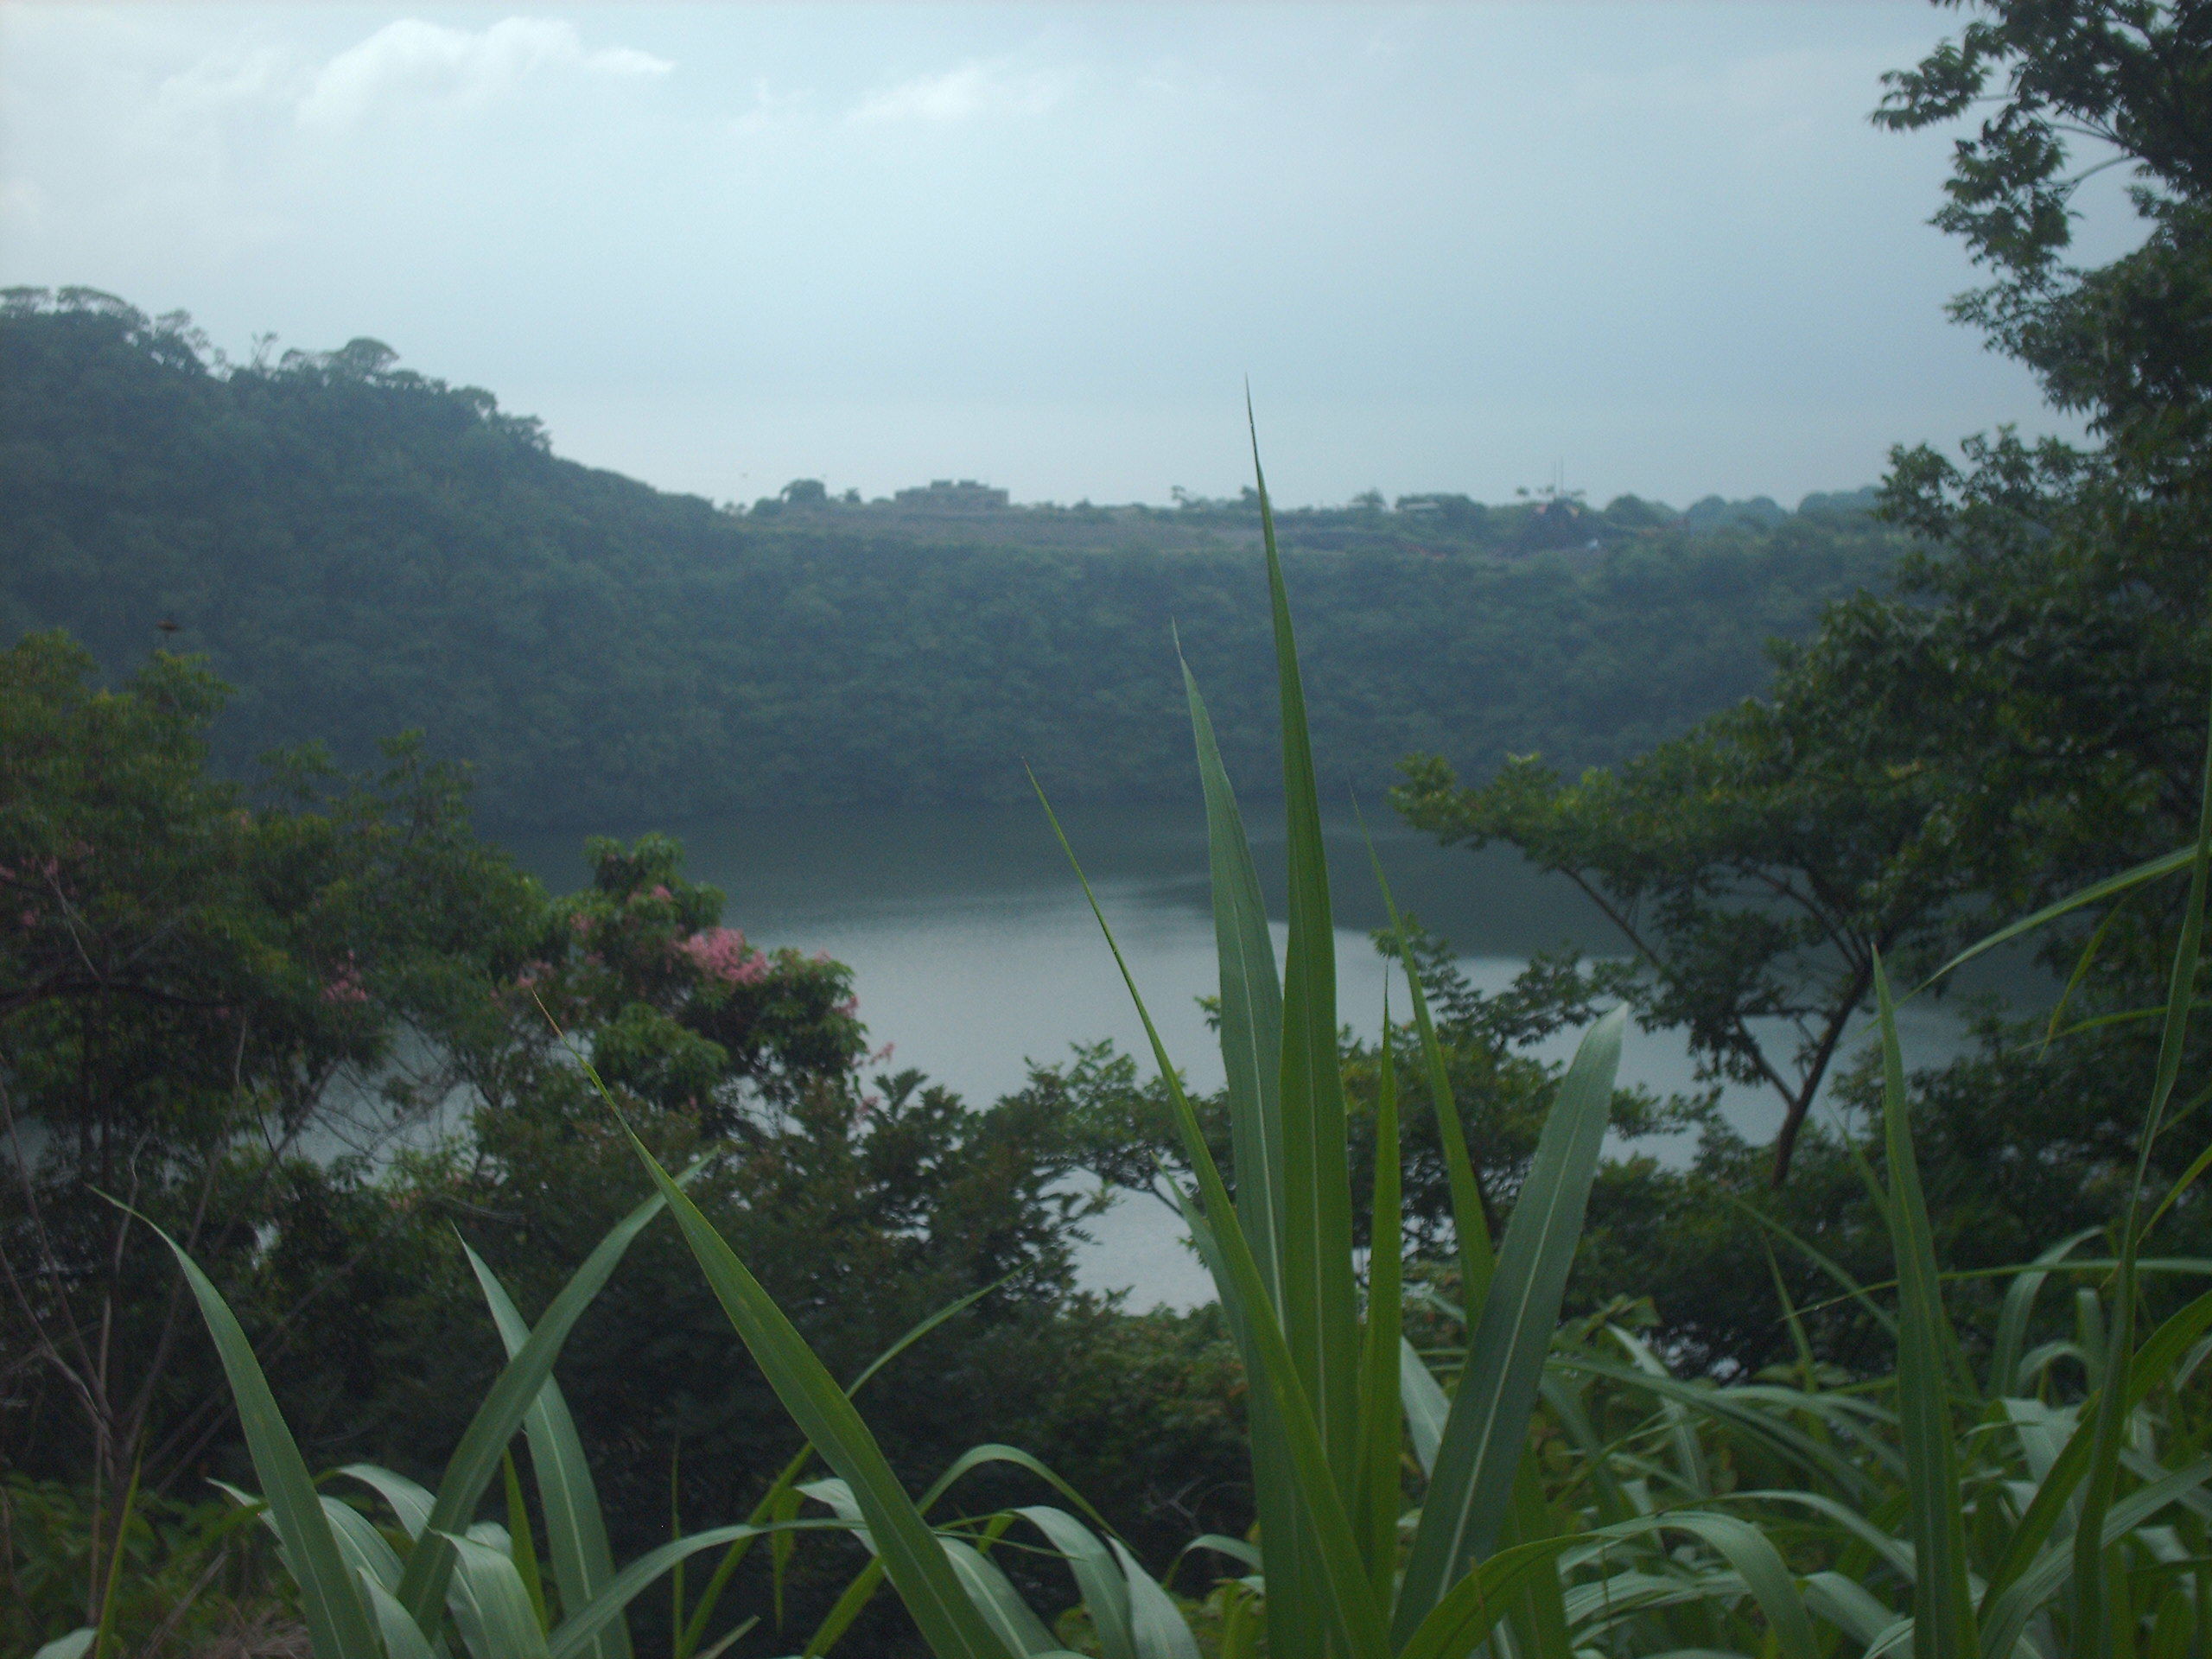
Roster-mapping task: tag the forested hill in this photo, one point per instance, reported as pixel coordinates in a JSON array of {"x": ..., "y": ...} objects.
[{"x": 358, "y": 548}]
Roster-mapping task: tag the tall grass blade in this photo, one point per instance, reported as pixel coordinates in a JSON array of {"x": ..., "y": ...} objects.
[
  {"x": 568, "y": 1498},
  {"x": 1467, "y": 1503},
  {"x": 1098, "y": 1578},
  {"x": 773, "y": 1505},
  {"x": 1320, "y": 1314},
  {"x": 410, "y": 1502},
  {"x": 2011, "y": 1342},
  {"x": 1381, "y": 1418},
  {"x": 1251, "y": 1052},
  {"x": 403, "y": 1638},
  {"x": 1348, "y": 1595},
  {"x": 1469, "y": 1215},
  {"x": 1251, "y": 1005},
  {"x": 524, "y": 1552},
  {"x": 491, "y": 1604},
  {"x": 1158, "y": 1629},
  {"x": 2150, "y": 870},
  {"x": 330, "y": 1600},
  {"x": 911, "y": 1553},
  {"x": 1001, "y": 1605},
  {"x": 469, "y": 1471},
  {"x": 1942, "y": 1608},
  {"x": 2093, "y": 1634}
]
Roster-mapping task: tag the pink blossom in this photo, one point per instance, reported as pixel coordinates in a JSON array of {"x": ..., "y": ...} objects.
[
  {"x": 30, "y": 918},
  {"x": 882, "y": 1054},
  {"x": 581, "y": 923},
  {"x": 345, "y": 986},
  {"x": 849, "y": 1007},
  {"x": 723, "y": 953},
  {"x": 663, "y": 892}
]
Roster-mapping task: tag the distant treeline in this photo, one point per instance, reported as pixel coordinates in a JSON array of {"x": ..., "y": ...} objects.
[{"x": 358, "y": 549}]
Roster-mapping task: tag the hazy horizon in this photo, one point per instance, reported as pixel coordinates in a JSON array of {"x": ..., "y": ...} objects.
[{"x": 1642, "y": 249}]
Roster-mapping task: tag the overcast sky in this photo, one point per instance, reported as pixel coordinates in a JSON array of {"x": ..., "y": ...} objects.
[{"x": 719, "y": 247}]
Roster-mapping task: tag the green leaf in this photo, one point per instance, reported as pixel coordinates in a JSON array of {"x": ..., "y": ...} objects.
[
  {"x": 491, "y": 1604},
  {"x": 581, "y": 1631},
  {"x": 1000, "y": 1604},
  {"x": 474, "y": 1461},
  {"x": 1470, "y": 1220},
  {"x": 2150, "y": 870},
  {"x": 1426, "y": 1405},
  {"x": 411, "y": 1503},
  {"x": 917, "y": 1567},
  {"x": 1381, "y": 1419},
  {"x": 1942, "y": 1607},
  {"x": 1251, "y": 1050},
  {"x": 1466, "y": 1504},
  {"x": 1156, "y": 1626},
  {"x": 1335, "y": 1563},
  {"x": 403, "y": 1636},
  {"x": 1251, "y": 1008},
  {"x": 568, "y": 1498},
  {"x": 1098, "y": 1578},
  {"x": 330, "y": 1601},
  {"x": 1319, "y": 1312}
]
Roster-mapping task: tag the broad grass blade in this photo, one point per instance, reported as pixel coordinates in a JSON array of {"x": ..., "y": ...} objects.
[
  {"x": 1427, "y": 1406},
  {"x": 1381, "y": 1421},
  {"x": 1252, "y": 1064},
  {"x": 410, "y": 1502},
  {"x": 474, "y": 1461},
  {"x": 1467, "y": 1502},
  {"x": 1000, "y": 1604},
  {"x": 491, "y": 1604},
  {"x": 330, "y": 1598},
  {"x": 925, "y": 1579},
  {"x": 1251, "y": 1006},
  {"x": 1942, "y": 1605},
  {"x": 403, "y": 1638},
  {"x": 1156, "y": 1626},
  {"x": 1099, "y": 1577},
  {"x": 2093, "y": 1633},
  {"x": 1348, "y": 1595},
  {"x": 1470, "y": 1216},
  {"x": 575, "y": 1530},
  {"x": 1320, "y": 1309},
  {"x": 772, "y": 1503},
  {"x": 2012, "y": 1340}
]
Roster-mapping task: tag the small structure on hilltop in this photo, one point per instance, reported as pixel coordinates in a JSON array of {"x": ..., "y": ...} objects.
[{"x": 944, "y": 495}]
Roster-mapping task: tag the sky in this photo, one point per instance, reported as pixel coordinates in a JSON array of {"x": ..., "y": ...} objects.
[{"x": 1641, "y": 247}]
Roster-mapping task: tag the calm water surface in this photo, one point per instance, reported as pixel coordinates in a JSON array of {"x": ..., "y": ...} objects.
[{"x": 973, "y": 953}]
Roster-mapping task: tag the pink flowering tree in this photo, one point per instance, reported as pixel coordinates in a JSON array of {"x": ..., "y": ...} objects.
[{"x": 678, "y": 1011}]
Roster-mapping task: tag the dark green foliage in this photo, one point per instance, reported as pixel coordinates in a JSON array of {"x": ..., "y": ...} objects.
[{"x": 361, "y": 549}]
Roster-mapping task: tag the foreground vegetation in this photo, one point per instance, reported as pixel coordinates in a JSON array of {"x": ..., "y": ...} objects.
[{"x": 1925, "y": 1373}]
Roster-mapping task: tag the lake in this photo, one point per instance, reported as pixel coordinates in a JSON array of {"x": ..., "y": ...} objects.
[{"x": 974, "y": 952}]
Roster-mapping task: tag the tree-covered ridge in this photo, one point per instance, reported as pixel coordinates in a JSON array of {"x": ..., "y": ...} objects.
[{"x": 361, "y": 549}]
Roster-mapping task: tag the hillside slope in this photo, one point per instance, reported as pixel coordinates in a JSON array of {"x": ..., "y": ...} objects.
[{"x": 359, "y": 548}]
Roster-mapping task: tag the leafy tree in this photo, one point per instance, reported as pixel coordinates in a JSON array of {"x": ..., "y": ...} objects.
[
  {"x": 211, "y": 1005},
  {"x": 2023, "y": 714}
]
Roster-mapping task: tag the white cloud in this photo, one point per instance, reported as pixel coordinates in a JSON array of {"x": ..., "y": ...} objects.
[
  {"x": 417, "y": 62},
  {"x": 963, "y": 94}
]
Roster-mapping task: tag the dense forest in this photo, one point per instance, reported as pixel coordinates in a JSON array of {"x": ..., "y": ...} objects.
[{"x": 360, "y": 549}]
